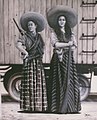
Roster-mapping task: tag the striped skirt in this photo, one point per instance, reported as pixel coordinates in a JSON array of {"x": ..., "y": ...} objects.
[
  {"x": 33, "y": 95},
  {"x": 63, "y": 98}
]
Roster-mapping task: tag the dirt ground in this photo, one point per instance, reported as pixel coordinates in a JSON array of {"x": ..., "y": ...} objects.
[{"x": 10, "y": 111}]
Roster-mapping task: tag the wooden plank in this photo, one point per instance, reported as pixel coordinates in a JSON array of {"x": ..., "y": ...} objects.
[
  {"x": 75, "y": 29},
  {"x": 47, "y": 34},
  {"x": 1, "y": 33},
  {"x": 21, "y": 10},
  {"x": 50, "y": 46},
  {"x": 43, "y": 33},
  {"x": 27, "y": 5},
  {"x": 85, "y": 31},
  {"x": 32, "y": 5},
  {"x": 74, "y": 3},
  {"x": 37, "y": 5},
  {"x": 79, "y": 43},
  {"x": 11, "y": 32},
  {"x": 21, "y": 7},
  {"x": 53, "y": 3},
  {"x": 17, "y": 58},
  {"x": 58, "y": 2},
  {"x": 6, "y": 38},
  {"x": 63, "y": 2},
  {"x": 95, "y": 31},
  {"x": 90, "y": 32},
  {"x": 0, "y": 107},
  {"x": 69, "y": 3}
]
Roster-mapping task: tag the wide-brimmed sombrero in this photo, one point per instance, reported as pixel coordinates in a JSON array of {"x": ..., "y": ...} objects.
[
  {"x": 55, "y": 12},
  {"x": 37, "y": 18}
]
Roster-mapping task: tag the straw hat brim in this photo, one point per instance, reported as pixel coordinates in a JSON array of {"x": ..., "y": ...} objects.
[
  {"x": 37, "y": 18},
  {"x": 60, "y": 10}
]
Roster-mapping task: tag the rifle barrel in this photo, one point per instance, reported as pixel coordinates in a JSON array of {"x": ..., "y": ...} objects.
[{"x": 18, "y": 26}]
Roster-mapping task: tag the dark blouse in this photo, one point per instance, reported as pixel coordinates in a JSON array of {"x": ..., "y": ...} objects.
[{"x": 33, "y": 44}]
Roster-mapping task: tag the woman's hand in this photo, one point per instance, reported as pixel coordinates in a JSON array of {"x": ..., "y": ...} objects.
[
  {"x": 70, "y": 43},
  {"x": 22, "y": 49},
  {"x": 25, "y": 55},
  {"x": 62, "y": 45},
  {"x": 60, "y": 54},
  {"x": 59, "y": 51}
]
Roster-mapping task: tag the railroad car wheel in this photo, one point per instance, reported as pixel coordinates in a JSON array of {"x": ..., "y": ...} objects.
[
  {"x": 14, "y": 81},
  {"x": 14, "y": 86},
  {"x": 84, "y": 87}
]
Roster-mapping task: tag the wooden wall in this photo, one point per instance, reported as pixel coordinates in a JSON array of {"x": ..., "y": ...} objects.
[
  {"x": 9, "y": 34},
  {"x": 87, "y": 45}
]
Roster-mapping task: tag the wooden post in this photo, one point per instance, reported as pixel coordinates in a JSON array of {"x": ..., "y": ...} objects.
[{"x": 0, "y": 105}]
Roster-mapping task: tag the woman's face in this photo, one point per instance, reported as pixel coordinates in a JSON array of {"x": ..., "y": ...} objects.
[
  {"x": 61, "y": 21},
  {"x": 31, "y": 26}
]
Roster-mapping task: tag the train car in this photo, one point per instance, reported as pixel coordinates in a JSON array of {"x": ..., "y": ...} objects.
[{"x": 85, "y": 33}]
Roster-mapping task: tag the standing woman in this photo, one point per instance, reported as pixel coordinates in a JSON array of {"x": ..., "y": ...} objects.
[
  {"x": 33, "y": 96},
  {"x": 64, "y": 94}
]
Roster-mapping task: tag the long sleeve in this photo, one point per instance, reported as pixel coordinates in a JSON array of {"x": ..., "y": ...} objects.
[
  {"x": 20, "y": 45},
  {"x": 53, "y": 38},
  {"x": 74, "y": 40},
  {"x": 21, "y": 39}
]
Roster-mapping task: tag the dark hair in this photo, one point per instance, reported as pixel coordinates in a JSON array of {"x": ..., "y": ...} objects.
[{"x": 67, "y": 29}]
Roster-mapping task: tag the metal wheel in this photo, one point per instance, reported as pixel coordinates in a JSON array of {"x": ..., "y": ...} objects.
[
  {"x": 84, "y": 87},
  {"x": 14, "y": 86},
  {"x": 14, "y": 82}
]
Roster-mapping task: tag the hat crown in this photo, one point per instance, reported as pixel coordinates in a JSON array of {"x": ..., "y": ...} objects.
[
  {"x": 37, "y": 18},
  {"x": 60, "y": 10}
]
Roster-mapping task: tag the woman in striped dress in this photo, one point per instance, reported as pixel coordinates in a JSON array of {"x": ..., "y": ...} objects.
[
  {"x": 64, "y": 94},
  {"x": 33, "y": 96}
]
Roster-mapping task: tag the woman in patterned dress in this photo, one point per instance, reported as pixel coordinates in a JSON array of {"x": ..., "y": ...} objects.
[
  {"x": 64, "y": 94},
  {"x": 33, "y": 96}
]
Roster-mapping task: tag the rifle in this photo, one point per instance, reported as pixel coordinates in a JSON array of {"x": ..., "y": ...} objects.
[
  {"x": 24, "y": 32},
  {"x": 20, "y": 30}
]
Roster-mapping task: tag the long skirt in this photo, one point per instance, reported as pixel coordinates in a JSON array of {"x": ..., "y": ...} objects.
[
  {"x": 33, "y": 94},
  {"x": 63, "y": 97}
]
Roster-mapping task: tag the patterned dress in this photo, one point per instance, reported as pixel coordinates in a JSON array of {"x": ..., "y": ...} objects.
[
  {"x": 64, "y": 94},
  {"x": 33, "y": 95}
]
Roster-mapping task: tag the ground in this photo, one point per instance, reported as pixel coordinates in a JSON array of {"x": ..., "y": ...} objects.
[{"x": 10, "y": 111}]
